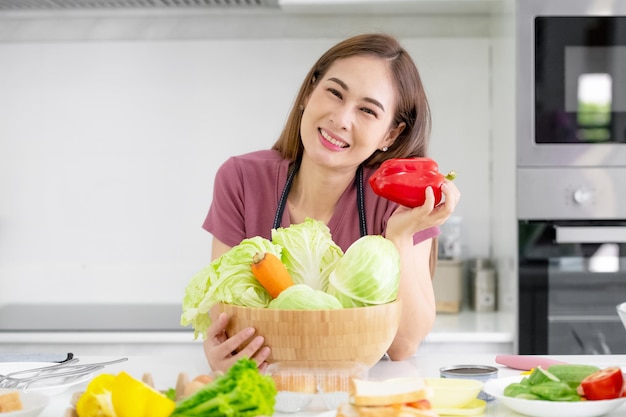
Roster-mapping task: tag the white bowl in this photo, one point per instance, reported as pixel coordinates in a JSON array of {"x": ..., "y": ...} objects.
[
  {"x": 453, "y": 392},
  {"x": 621, "y": 311},
  {"x": 539, "y": 408},
  {"x": 33, "y": 402}
]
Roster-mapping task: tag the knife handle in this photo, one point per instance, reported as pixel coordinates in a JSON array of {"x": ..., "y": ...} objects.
[{"x": 525, "y": 362}]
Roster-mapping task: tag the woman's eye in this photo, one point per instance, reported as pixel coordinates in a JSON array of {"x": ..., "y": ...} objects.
[
  {"x": 369, "y": 111},
  {"x": 335, "y": 93}
]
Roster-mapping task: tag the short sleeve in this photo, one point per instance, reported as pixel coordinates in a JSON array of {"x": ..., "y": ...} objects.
[
  {"x": 225, "y": 219},
  {"x": 426, "y": 234}
]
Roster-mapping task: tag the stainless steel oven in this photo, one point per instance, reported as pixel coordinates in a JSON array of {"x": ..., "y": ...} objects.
[
  {"x": 571, "y": 75},
  {"x": 571, "y": 175}
]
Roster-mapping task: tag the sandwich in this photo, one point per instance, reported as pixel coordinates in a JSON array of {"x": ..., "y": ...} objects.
[{"x": 396, "y": 397}]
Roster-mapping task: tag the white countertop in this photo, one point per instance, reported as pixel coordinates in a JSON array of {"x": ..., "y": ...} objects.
[
  {"x": 472, "y": 326},
  {"x": 165, "y": 369},
  {"x": 465, "y": 326}
]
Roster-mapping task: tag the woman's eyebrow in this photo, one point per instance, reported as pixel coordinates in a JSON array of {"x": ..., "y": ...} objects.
[{"x": 368, "y": 99}]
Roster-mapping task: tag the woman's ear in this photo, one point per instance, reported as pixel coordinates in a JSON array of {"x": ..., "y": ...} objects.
[{"x": 393, "y": 134}]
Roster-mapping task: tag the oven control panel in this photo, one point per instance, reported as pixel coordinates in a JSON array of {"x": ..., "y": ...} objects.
[{"x": 571, "y": 193}]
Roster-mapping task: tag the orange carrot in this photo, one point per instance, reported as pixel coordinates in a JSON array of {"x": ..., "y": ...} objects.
[{"x": 271, "y": 273}]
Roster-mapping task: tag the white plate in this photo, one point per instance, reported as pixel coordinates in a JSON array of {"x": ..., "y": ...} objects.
[
  {"x": 538, "y": 408},
  {"x": 49, "y": 387},
  {"x": 33, "y": 402},
  {"x": 331, "y": 413}
]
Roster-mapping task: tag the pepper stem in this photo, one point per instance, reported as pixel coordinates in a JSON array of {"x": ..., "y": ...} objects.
[{"x": 451, "y": 175}]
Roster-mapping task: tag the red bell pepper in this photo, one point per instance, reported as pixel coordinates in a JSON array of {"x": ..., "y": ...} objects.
[{"x": 404, "y": 180}]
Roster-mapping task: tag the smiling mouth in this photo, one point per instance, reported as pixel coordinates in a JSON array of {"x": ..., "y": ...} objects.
[{"x": 332, "y": 140}]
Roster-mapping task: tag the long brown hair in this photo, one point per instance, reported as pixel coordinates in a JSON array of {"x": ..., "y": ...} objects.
[{"x": 411, "y": 105}]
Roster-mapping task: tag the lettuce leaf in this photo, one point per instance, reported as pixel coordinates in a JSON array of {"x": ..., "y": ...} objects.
[
  {"x": 367, "y": 274},
  {"x": 303, "y": 297},
  {"x": 309, "y": 252},
  {"x": 228, "y": 279}
]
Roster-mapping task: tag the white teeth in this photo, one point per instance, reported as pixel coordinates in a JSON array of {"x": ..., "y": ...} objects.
[{"x": 332, "y": 140}]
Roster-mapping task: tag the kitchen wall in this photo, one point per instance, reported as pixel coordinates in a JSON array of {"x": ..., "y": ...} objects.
[{"x": 112, "y": 128}]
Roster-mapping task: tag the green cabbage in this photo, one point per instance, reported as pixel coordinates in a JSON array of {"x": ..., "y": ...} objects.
[
  {"x": 367, "y": 274},
  {"x": 228, "y": 279},
  {"x": 303, "y": 297},
  {"x": 326, "y": 278},
  {"x": 309, "y": 252},
  {"x": 196, "y": 304}
]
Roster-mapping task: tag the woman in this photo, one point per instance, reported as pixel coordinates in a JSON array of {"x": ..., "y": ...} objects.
[{"x": 362, "y": 103}]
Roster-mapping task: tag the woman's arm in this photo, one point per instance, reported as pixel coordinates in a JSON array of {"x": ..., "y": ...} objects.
[
  {"x": 416, "y": 289},
  {"x": 218, "y": 249}
]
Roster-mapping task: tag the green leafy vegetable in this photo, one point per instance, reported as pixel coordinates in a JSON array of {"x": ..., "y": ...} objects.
[
  {"x": 228, "y": 279},
  {"x": 309, "y": 252},
  {"x": 555, "y": 391},
  {"x": 196, "y": 304},
  {"x": 171, "y": 394},
  {"x": 543, "y": 384},
  {"x": 241, "y": 392},
  {"x": 367, "y": 274},
  {"x": 303, "y": 297}
]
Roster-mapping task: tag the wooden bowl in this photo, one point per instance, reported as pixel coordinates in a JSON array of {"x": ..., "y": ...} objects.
[{"x": 361, "y": 334}]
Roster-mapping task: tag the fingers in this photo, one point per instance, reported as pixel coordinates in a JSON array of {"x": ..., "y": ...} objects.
[
  {"x": 451, "y": 193},
  {"x": 219, "y": 348},
  {"x": 429, "y": 202},
  {"x": 216, "y": 331}
]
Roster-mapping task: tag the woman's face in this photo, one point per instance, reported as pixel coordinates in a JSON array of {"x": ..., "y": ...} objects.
[{"x": 349, "y": 114}]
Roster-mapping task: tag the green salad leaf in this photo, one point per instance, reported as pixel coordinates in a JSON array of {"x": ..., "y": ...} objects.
[
  {"x": 228, "y": 279},
  {"x": 309, "y": 252},
  {"x": 325, "y": 278},
  {"x": 367, "y": 274},
  {"x": 303, "y": 297},
  {"x": 241, "y": 392}
]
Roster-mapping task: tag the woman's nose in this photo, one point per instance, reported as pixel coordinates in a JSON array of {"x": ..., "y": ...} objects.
[{"x": 341, "y": 118}]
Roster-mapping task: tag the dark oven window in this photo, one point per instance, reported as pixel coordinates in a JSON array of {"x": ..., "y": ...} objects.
[
  {"x": 580, "y": 79},
  {"x": 569, "y": 289}
]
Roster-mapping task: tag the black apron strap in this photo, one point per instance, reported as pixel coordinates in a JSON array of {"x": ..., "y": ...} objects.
[
  {"x": 360, "y": 200},
  {"x": 282, "y": 202}
]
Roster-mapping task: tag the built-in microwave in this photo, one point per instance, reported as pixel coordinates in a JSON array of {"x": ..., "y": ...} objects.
[{"x": 571, "y": 91}]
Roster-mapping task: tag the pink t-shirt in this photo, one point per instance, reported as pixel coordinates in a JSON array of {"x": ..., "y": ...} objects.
[{"x": 247, "y": 190}]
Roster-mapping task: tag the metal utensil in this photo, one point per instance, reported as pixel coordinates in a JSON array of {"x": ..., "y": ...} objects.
[{"x": 67, "y": 372}]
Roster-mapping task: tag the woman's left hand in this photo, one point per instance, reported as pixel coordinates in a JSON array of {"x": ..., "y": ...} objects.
[{"x": 409, "y": 221}]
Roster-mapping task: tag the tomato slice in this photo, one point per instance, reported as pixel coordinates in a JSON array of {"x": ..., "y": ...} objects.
[
  {"x": 604, "y": 384},
  {"x": 420, "y": 405}
]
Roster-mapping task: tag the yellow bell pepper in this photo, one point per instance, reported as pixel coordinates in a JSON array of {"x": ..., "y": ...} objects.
[
  {"x": 122, "y": 396},
  {"x": 133, "y": 398},
  {"x": 96, "y": 400}
]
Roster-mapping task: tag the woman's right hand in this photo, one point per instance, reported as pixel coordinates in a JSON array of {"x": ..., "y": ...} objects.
[{"x": 218, "y": 348}]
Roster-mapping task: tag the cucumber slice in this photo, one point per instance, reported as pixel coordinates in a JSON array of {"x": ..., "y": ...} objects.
[{"x": 540, "y": 375}]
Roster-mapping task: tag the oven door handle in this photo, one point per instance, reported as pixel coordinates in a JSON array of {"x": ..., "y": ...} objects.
[{"x": 591, "y": 234}]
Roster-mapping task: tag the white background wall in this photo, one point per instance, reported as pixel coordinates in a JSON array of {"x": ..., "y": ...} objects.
[{"x": 108, "y": 150}]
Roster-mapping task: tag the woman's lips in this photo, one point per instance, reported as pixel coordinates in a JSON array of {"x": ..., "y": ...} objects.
[{"x": 331, "y": 142}]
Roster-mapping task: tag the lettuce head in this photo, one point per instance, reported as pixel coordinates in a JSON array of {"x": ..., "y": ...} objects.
[
  {"x": 228, "y": 279},
  {"x": 309, "y": 252},
  {"x": 303, "y": 297},
  {"x": 367, "y": 274}
]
